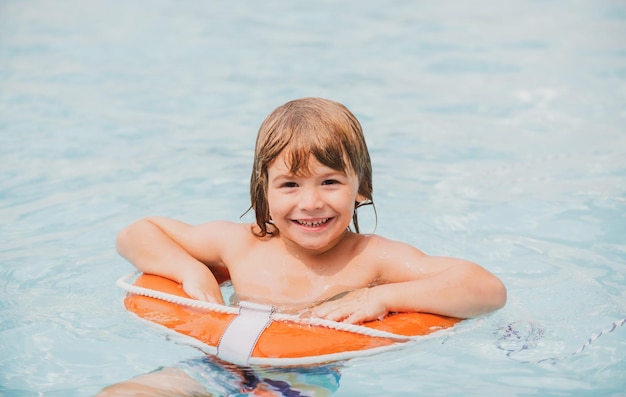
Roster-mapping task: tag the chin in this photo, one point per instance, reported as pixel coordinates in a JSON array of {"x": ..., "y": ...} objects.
[{"x": 318, "y": 247}]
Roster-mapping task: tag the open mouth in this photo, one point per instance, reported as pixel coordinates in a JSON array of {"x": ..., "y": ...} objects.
[{"x": 315, "y": 223}]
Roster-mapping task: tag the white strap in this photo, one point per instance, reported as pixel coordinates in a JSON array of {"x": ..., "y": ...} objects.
[{"x": 243, "y": 332}]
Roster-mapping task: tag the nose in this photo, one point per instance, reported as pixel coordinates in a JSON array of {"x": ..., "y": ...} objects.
[{"x": 310, "y": 199}]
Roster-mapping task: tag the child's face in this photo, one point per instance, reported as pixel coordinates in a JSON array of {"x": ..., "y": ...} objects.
[{"x": 312, "y": 211}]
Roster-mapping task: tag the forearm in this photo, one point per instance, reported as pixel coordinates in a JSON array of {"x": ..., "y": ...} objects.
[{"x": 463, "y": 291}]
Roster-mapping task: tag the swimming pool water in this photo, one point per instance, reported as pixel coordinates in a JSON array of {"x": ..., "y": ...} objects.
[{"x": 497, "y": 134}]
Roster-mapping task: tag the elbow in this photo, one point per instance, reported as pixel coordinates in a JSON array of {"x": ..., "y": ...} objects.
[
  {"x": 122, "y": 240},
  {"x": 498, "y": 294},
  {"x": 493, "y": 294},
  {"x": 128, "y": 237},
  {"x": 489, "y": 292}
]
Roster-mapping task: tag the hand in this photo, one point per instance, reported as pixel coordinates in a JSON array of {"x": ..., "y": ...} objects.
[
  {"x": 204, "y": 289},
  {"x": 355, "y": 307}
]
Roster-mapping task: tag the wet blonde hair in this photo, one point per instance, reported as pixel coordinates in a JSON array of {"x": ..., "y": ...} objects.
[{"x": 321, "y": 127}]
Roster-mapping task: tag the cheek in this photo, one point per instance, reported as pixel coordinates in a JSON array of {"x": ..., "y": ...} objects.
[
  {"x": 274, "y": 203},
  {"x": 343, "y": 202}
]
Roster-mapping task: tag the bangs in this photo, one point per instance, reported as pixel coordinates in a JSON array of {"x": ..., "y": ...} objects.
[{"x": 329, "y": 152}]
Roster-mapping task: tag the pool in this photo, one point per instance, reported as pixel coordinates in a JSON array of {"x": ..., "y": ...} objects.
[{"x": 497, "y": 134}]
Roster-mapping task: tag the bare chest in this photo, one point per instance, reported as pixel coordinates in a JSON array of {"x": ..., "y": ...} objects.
[{"x": 292, "y": 284}]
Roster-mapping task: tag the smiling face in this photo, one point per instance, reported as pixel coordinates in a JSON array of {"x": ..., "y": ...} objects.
[
  {"x": 299, "y": 137},
  {"x": 311, "y": 208}
]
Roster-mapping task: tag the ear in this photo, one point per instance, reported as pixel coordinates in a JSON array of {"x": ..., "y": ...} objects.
[{"x": 359, "y": 198}]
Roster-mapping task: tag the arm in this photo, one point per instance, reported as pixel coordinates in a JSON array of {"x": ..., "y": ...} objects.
[
  {"x": 462, "y": 289},
  {"x": 414, "y": 282},
  {"x": 177, "y": 251}
]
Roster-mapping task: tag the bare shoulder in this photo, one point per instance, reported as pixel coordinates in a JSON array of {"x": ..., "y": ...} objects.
[
  {"x": 222, "y": 230},
  {"x": 378, "y": 246},
  {"x": 226, "y": 234},
  {"x": 393, "y": 260},
  {"x": 228, "y": 227},
  {"x": 209, "y": 242}
]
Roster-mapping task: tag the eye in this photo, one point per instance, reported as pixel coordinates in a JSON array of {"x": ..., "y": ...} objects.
[
  {"x": 289, "y": 185},
  {"x": 330, "y": 182}
]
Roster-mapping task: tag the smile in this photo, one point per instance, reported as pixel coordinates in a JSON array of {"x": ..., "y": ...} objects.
[{"x": 316, "y": 223}]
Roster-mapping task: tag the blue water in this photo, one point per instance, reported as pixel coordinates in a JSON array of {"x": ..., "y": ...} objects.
[{"x": 497, "y": 132}]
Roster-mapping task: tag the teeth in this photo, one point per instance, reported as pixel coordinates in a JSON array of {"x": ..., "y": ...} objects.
[{"x": 313, "y": 224}]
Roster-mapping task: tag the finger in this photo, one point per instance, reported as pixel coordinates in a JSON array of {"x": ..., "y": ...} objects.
[
  {"x": 322, "y": 309},
  {"x": 202, "y": 296},
  {"x": 197, "y": 294},
  {"x": 210, "y": 298},
  {"x": 336, "y": 313},
  {"x": 353, "y": 319},
  {"x": 358, "y": 317}
]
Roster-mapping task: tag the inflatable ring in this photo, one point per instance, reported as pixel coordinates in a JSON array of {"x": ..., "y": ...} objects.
[{"x": 254, "y": 334}]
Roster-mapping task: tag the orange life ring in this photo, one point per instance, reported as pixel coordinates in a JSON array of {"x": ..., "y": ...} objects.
[{"x": 285, "y": 340}]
